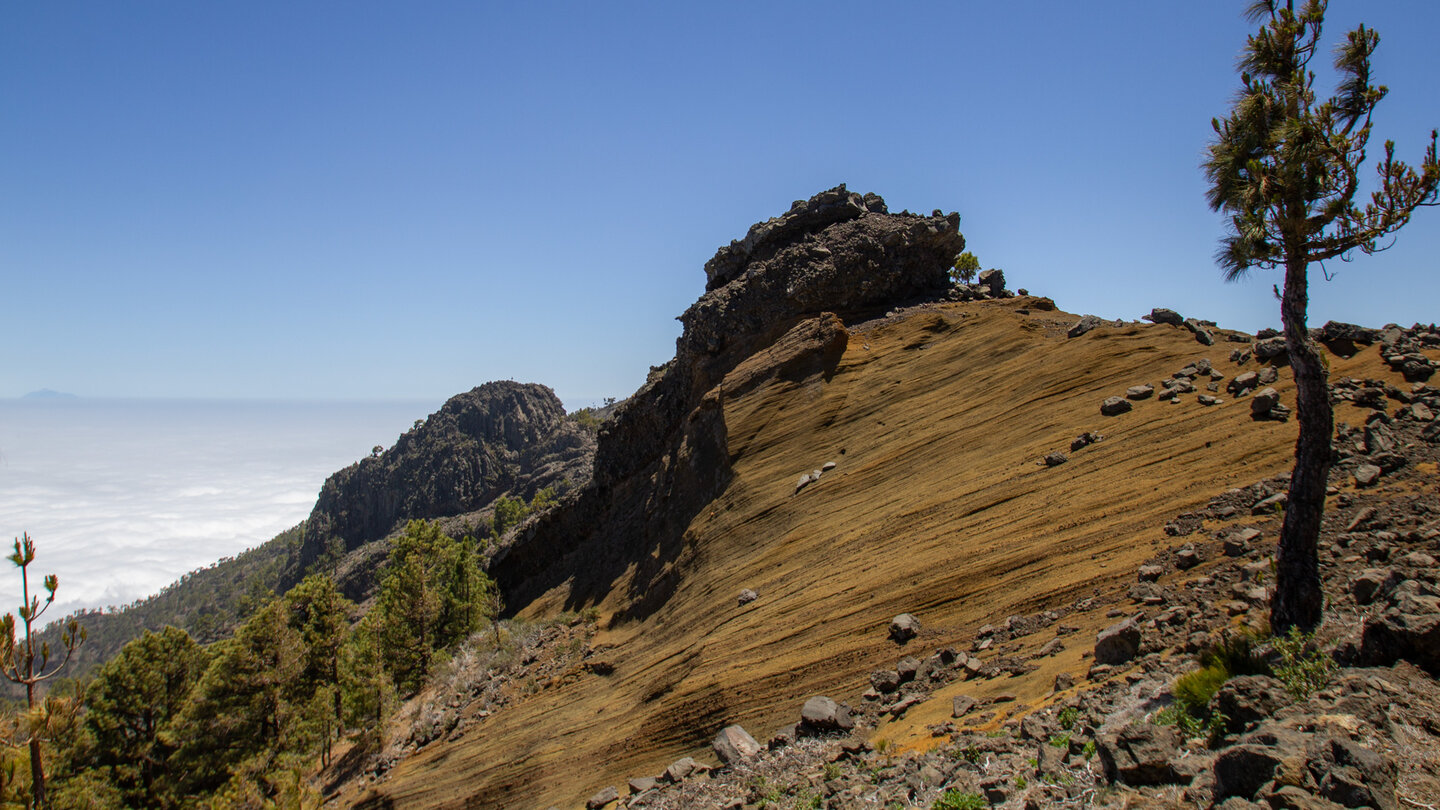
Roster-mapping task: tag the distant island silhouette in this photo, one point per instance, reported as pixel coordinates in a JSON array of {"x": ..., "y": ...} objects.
[{"x": 46, "y": 393}]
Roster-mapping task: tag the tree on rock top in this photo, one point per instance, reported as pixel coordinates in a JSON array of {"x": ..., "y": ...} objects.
[{"x": 1286, "y": 167}]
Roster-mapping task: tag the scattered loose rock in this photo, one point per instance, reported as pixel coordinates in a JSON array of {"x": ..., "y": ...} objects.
[
  {"x": 1114, "y": 406},
  {"x": 904, "y": 627}
]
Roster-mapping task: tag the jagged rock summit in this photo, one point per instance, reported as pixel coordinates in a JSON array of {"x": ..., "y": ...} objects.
[
  {"x": 499, "y": 437},
  {"x": 837, "y": 255}
]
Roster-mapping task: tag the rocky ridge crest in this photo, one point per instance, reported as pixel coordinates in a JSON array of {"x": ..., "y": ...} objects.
[{"x": 663, "y": 455}]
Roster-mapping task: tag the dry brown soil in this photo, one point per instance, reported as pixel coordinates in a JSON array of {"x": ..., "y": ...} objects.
[{"x": 936, "y": 419}]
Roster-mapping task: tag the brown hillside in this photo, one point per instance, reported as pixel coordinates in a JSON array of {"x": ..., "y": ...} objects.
[{"x": 936, "y": 418}]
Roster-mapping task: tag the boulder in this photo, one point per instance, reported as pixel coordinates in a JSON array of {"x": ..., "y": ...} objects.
[
  {"x": 640, "y": 784},
  {"x": 1150, "y": 573},
  {"x": 1270, "y": 349},
  {"x": 961, "y": 705},
  {"x": 1245, "y": 701},
  {"x": 682, "y": 769},
  {"x": 1085, "y": 324},
  {"x": 1055, "y": 459},
  {"x": 602, "y": 798},
  {"x": 1367, "y": 474},
  {"x": 1140, "y": 754},
  {"x": 1350, "y": 774},
  {"x": 1118, "y": 643},
  {"x": 1114, "y": 406},
  {"x": 1202, "y": 335},
  {"x": 734, "y": 744},
  {"x": 1274, "y": 503},
  {"x": 747, "y": 596},
  {"x": 993, "y": 281},
  {"x": 904, "y": 627},
  {"x": 1263, "y": 755},
  {"x": 907, "y": 668},
  {"x": 885, "y": 680},
  {"x": 1084, "y": 440},
  {"x": 1263, "y": 402},
  {"x": 822, "y": 715},
  {"x": 1408, "y": 629},
  {"x": 1187, "y": 557},
  {"x": 1139, "y": 392},
  {"x": 1162, "y": 315}
]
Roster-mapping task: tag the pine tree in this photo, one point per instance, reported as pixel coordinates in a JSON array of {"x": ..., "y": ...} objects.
[
  {"x": 1287, "y": 170},
  {"x": 433, "y": 595},
  {"x": 246, "y": 704},
  {"x": 319, "y": 612},
  {"x": 19, "y": 656},
  {"x": 965, "y": 268},
  {"x": 130, "y": 706}
]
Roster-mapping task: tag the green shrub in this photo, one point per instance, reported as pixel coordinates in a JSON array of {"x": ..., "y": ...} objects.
[
  {"x": 1193, "y": 690},
  {"x": 1068, "y": 716},
  {"x": 1303, "y": 668},
  {"x": 954, "y": 799},
  {"x": 1237, "y": 653}
]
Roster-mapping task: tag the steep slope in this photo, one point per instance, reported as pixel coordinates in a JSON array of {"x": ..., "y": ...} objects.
[{"x": 936, "y": 417}]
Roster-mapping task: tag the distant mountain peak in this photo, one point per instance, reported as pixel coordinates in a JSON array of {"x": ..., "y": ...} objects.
[{"x": 46, "y": 393}]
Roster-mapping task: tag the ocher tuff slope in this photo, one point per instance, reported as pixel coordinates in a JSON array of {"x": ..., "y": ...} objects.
[{"x": 935, "y": 418}]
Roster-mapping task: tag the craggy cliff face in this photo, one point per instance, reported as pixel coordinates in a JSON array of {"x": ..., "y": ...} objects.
[
  {"x": 500, "y": 437},
  {"x": 664, "y": 454}
]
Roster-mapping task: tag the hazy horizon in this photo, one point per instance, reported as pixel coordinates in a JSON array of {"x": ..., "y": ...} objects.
[{"x": 125, "y": 496}]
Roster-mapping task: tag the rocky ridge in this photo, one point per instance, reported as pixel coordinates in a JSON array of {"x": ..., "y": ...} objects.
[
  {"x": 663, "y": 455},
  {"x": 497, "y": 439}
]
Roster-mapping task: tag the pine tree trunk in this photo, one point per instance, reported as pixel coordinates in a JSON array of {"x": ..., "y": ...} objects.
[{"x": 1298, "y": 601}]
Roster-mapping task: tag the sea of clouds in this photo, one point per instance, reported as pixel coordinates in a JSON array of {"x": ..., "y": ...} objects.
[{"x": 122, "y": 497}]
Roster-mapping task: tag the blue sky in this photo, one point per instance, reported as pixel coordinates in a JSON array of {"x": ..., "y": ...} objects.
[{"x": 387, "y": 200}]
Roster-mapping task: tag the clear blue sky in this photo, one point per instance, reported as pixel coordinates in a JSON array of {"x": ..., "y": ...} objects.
[{"x": 403, "y": 200}]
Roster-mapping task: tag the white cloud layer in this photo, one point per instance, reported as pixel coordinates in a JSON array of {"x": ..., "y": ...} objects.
[{"x": 123, "y": 497}]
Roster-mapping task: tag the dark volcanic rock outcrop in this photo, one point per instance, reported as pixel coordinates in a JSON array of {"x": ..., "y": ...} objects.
[
  {"x": 500, "y": 437},
  {"x": 664, "y": 454}
]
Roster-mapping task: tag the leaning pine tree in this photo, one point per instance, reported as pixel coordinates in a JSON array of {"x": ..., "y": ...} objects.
[{"x": 1287, "y": 170}]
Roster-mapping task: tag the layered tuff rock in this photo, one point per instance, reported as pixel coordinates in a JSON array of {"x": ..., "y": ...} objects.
[
  {"x": 500, "y": 437},
  {"x": 784, "y": 288}
]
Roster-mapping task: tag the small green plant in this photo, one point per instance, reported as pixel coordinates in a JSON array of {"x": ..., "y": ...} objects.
[
  {"x": 955, "y": 799},
  {"x": 1303, "y": 668},
  {"x": 1021, "y": 782},
  {"x": 1068, "y": 716},
  {"x": 1237, "y": 653},
  {"x": 965, "y": 268},
  {"x": 1193, "y": 690},
  {"x": 1088, "y": 750},
  {"x": 1184, "y": 722},
  {"x": 1061, "y": 740},
  {"x": 969, "y": 753},
  {"x": 831, "y": 771}
]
